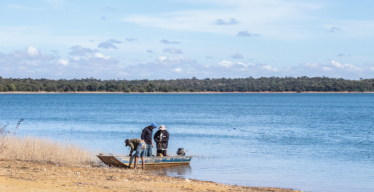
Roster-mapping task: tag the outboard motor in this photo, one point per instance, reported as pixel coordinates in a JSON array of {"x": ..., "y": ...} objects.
[{"x": 180, "y": 151}]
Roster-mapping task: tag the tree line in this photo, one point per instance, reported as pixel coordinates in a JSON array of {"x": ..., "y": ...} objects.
[{"x": 249, "y": 84}]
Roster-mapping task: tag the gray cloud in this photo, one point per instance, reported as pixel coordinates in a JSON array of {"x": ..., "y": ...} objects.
[
  {"x": 209, "y": 57},
  {"x": 109, "y": 44},
  {"x": 237, "y": 56},
  {"x": 109, "y": 9},
  {"x": 164, "y": 41},
  {"x": 343, "y": 55},
  {"x": 232, "y": 21},
  {"x": 131, "y": 39},
  {"x": 150, "y": 51},
  {"x": 172, "y": 50},
  {"x": 334, "y": 29},
  {"x": 246, "y": 34},
  {"x": 79, "y": 50}
]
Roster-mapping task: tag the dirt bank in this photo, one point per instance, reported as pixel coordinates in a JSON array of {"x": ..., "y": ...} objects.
[{"x": 30, "y": 176}]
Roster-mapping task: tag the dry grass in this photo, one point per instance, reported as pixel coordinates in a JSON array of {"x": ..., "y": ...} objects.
[
  {"x": 42, "y": 149},
  {"x": 45, "y": 150}
]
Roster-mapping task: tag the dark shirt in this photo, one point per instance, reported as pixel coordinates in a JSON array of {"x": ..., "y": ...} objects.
[
  {"x": 164, "y": 140},
  {"x": 147, "y": 135}
]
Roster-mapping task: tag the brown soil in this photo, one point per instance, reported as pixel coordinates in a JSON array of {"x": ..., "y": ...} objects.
[{"x": 30, "y": 176}]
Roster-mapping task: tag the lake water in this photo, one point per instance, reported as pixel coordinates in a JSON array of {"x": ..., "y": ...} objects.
[{"x": 311, "y": 142}]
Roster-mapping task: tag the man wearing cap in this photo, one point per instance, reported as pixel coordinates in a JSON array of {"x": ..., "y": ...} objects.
[
  {"x": 162, "y": 139},
  {"x": 147, "y": 137},
  {"x": 138, "y": 146}
]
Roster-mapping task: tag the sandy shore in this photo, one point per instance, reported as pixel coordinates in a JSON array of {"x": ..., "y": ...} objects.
[
  {"x": 210, "y": 92},
  {"x": 30, "y": 176}
]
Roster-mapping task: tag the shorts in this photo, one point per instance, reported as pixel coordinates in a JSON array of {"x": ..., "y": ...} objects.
[{"x": 140, "y": 152}]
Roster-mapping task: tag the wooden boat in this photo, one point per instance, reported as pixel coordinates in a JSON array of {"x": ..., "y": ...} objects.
[{"x": 150, "y": 162}]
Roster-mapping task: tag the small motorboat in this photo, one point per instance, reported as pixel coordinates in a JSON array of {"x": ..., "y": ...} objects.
[{"x": 150, "y": 162}]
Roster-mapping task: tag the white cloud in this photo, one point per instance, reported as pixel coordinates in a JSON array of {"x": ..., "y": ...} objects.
[
  {"x": 310, "y": 65},
  {"x": 173, "y": 60},
  {"x": 225, "y": 63},
  {"x": 172, "y": 50},
  {"x": 100, "y": 55},
  {"x": 63, "y": 62},
  {"x": 337, "y": 64},
  {"x": 32, "y": 62},
  {"x": 242, "y": 64},
  {"x": 269, "y": 68},
  {"x": 228, "y": 64},
  {"x": 348, "y": 67},
  {"x": 178, "y": 70},
  {"x": 32, "y": 51},
  {"x": 327, "y": 68}
]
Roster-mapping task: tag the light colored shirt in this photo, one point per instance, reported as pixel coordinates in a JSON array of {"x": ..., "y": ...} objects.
[{"x": 134, "y": 143}]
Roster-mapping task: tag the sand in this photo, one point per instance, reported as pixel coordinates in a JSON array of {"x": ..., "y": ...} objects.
[{"x": 31, "y": 176}]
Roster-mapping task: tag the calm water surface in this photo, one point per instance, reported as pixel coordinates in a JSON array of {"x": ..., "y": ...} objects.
[{"x": 311, "y": 142}]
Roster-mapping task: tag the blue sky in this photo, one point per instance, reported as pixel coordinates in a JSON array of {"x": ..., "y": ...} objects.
[{"x": 171, "y": 39}]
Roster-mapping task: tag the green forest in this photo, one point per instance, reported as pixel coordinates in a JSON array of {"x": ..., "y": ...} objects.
[{"x": 250, "y": 84}]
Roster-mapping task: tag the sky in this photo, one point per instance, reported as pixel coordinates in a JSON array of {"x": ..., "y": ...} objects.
[{"x": 170, "y": 39}]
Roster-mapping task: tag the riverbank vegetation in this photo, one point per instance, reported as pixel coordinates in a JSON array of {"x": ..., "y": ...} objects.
[
  {"x": 42, "y": 150},
  {"x": 263, "y": 84}
]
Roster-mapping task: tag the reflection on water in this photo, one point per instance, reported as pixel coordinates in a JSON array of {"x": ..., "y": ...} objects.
[{"x": 176, "y": 171}]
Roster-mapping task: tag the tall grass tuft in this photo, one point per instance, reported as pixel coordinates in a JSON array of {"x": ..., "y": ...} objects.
[{"x": 43, "y": 150}]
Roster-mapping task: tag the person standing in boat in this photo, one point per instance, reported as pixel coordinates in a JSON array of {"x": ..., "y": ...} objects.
[
  {"x": 138, "y": 146},
  {"x": 162, "y": 139},
  {"x": 147, "y": 137}
]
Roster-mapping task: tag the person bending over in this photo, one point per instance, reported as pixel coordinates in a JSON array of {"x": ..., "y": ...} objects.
[
  {"x": 138, "y": 146},
  {"x": 162, "y": 139}
]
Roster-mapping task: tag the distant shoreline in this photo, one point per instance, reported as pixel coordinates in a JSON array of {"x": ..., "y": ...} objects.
[{"x": 210, "y": 92}]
